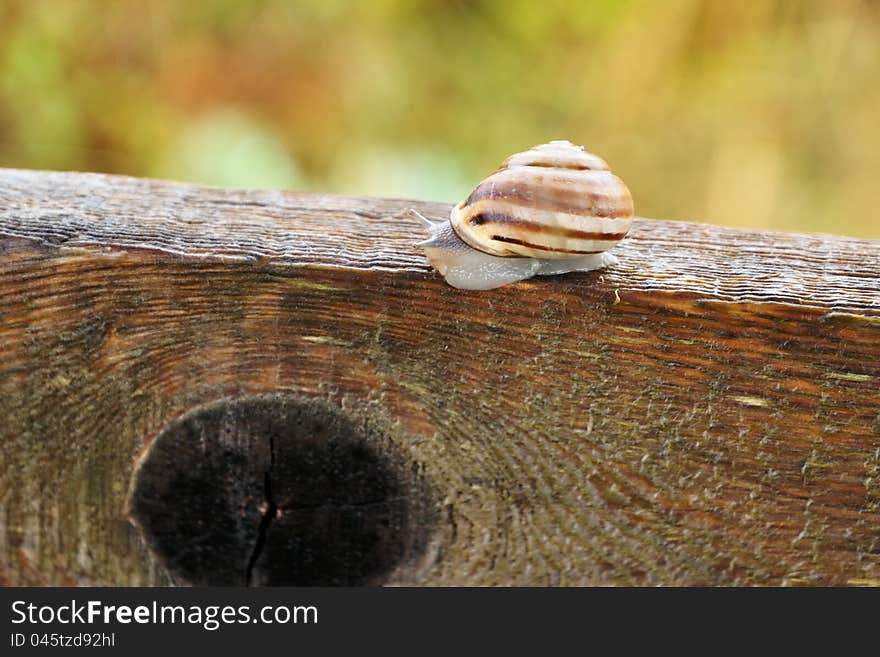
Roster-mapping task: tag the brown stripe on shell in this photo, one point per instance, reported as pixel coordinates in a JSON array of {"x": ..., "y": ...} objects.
[
  {"x": 561, "y": 154},
  {"x": 558, "y": 190},
  {"x": 539, "y": 247},
  {"x": 483, "y": 218},
  {"x": 557, "y": 165}
]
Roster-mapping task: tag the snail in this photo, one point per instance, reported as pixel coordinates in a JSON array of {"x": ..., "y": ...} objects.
[{"x": 552, "y": 209}]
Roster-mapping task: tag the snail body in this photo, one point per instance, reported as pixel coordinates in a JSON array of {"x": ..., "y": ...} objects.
[{"x": 549, "y": 210}]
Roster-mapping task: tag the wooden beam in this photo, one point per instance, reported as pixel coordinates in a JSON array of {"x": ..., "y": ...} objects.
[{"x": 223, "y": 386}]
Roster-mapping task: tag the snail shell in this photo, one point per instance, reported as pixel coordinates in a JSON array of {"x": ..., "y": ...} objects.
[{"x": 549, "y": 210}]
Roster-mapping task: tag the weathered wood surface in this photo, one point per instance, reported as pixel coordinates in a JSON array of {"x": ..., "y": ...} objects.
[{"x": 705, "y": 412}]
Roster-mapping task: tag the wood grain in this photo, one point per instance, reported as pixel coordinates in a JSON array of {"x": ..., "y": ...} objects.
[{"x": 705, "y": 412}]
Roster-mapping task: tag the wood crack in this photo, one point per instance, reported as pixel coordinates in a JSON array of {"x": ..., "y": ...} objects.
[{"x": 270, "y": 513}]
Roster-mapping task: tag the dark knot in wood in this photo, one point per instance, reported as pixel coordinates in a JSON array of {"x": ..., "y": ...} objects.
[{"x": 276, "y": 490}]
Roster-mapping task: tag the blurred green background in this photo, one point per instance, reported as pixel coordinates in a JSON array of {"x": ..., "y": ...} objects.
[{"x": 755, "y": 113}]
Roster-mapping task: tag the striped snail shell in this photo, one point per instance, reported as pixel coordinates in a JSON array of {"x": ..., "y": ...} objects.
[{"x": 549, "y": 210}]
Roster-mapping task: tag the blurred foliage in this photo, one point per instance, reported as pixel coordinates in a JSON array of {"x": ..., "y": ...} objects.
[{"x": 754, "y": 113}]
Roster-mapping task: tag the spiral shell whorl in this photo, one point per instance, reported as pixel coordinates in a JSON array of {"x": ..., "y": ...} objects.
[{"x": 553, "y": 201}]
